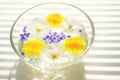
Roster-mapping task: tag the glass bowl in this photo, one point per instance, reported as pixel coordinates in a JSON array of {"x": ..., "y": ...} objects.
[{"x": 51, "y": 36}]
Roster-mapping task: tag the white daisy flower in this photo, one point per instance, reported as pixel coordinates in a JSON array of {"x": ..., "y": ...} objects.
[
  {"x": 38, "y": 28},
  {"x": 55, "y": 56}
]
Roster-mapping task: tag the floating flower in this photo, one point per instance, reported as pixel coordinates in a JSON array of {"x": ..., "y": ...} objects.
[
  {"x": 54, "y": 20},
  {"x": 33, "y": 48},
  {"x": 55, "y": 37},
  {"x": 74, "y": 45},
  {"x": 80, "y": 30},
  {"x": 22, "y": 53},
  {"x": 37, "y": 28},
  {"x": 24, "y": 35}
]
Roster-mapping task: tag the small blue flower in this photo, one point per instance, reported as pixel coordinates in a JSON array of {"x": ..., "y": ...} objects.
[
  {"x": 54, "y": 37},
  {"x": 31, "y": 59},
  {"x": 24, "y": 30},
  {"x": 68, "y": 36},
  {"x": 24, "y": 35},
  {"x": 80, "y": 30},
  {"x": 23, "y": 38},
  {"x": 22, "y": 53}
]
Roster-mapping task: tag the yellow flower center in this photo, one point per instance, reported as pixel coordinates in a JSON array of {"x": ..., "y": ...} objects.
[
  {"x": 54, "y": 56},
  {"x": 74, "y": 45},
  {"x": 38, "y": 30},
  {"x": 33, "y": 48},
  {"x": 54, "y": 20},
  {"x": 70, "y": 26}
]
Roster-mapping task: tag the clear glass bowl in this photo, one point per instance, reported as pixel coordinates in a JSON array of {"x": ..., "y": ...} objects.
[{"x": 76, "y": 23}]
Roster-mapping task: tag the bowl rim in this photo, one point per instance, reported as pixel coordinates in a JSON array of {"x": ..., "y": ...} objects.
[{"x": 79, "y": 57}]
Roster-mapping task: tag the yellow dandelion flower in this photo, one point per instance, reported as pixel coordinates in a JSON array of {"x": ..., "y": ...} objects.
[
  {"x": 33, "y": 48},
  {"x": 54, "y": 20},
  {"x": 74, "y": 45},
  {"x": 54, "y": 56}
]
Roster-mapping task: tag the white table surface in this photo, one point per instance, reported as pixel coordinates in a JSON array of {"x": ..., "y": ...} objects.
[{"x": 101, "y": 63}]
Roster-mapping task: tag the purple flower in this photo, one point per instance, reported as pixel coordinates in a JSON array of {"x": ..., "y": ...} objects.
[
  {"x": 22, "y": 53},
  {"x": 24, "y": 30},
  {"x": 54, "y": 37},
  {"x": 24, "y": 35},
  {"x": 47, "y": 36},
  {"x": 68, "y": 36},
  {"x": 80, "y": 30},
  {"x": 34, "y": 19},
  {"x": 61, "y": 38},
  {"x": 23, "y": 38},
  {"x": 31, "y": 59},
  {"x": 44, "y": 38}
]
